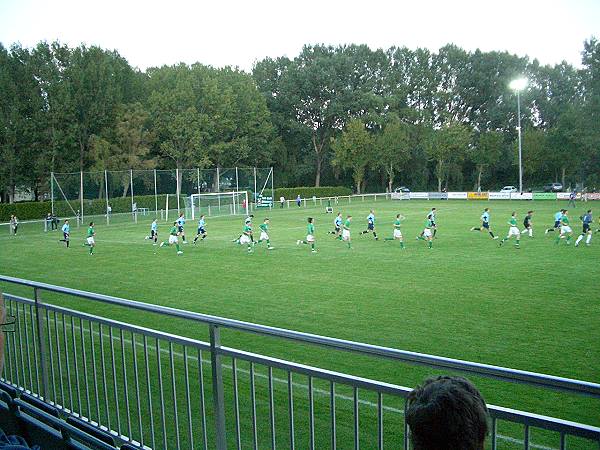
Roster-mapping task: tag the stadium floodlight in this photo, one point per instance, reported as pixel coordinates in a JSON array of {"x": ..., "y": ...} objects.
[{"x": 518, "y": 85}]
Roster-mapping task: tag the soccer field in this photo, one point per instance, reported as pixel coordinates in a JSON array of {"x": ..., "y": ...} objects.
[{"x": 534, "y": 308}]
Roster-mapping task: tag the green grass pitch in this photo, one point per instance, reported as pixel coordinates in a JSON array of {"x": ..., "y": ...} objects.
[{"x": 535, "y": 308}]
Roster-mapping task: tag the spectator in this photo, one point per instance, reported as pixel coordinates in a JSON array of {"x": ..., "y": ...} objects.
[
  {"x": 298, "y": 201},
  {"x": 447, "y": 413},
  {"x": 49, "y": 222},
  {"x": 282, "y": 201},
  {"x": 108, "y": 209},
  {"x": 14, "y": 224},
  {"x": 572, "y": 197}
]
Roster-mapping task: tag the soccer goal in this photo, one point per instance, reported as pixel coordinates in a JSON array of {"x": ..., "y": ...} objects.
[{"x": 217, "y": 204}]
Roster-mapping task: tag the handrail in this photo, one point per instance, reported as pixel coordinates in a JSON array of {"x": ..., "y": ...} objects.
[{"x": 438, "y": 362}]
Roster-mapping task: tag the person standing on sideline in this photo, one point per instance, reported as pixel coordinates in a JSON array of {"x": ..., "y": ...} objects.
[
  {"x": 66, "y": 229},
  {"x": 528, "y": 224},
  {"x": 298, "y": 201},
  {"x": 572, "y": 198},
  {"x": 587, "y": 228},
  {"x": 282, "y": 201},
  {"x": 14, "y": 224}
]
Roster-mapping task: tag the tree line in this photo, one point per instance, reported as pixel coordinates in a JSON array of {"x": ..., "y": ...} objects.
[{"x": 345, "y": 115}]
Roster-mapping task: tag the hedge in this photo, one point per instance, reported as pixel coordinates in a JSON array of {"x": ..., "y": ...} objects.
[{"x": 308, "y": 192}]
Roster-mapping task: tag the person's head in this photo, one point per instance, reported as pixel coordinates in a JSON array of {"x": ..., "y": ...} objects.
[
  {"x": 530, "y": 212},
  {"x": 372, "y": 212},
  {"x": 180, "y": 214},
  {"x": 565, "y": 212},
  {"x": 49, "y": 214},
  {"x": 589, "y": 211},
  {"x": 349, "y": 217},
  {"x": 155, "y": 219},
  {"x": 486, "y": 210},
  {"x": 397, "y": 216},
  {"x": 340, "y": 214},
  {"x": 66, "y": 221},
  {"x": 91, "y": 224},
  {"x": 175, "y": 223},
  {"x": 310, "y": 220},
  {"x": 266, "y": 220},
  {"x": 447, "y": 413},
  {"x": 433, "y": 209},
  {"x": 514, "y": 214},
  {"x": 202, "y": 216}
]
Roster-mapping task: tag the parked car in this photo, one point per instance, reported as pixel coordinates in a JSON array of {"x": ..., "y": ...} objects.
[
  {"x": 509, "y": 189},
  {"x": 402, "y": 189},
  {"x": 553, "y": 187}
]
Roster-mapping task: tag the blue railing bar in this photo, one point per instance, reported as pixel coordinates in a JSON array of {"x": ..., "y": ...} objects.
[{"x": 438, "y": 362}]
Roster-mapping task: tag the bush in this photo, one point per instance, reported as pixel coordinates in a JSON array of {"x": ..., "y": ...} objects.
[{"x": 308, "y": 192}]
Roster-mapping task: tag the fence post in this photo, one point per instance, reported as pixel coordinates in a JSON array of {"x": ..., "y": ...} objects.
[
  {"x": 41, "y": 344},
  {"x": 81, "y": 195},
  {"x": 217, "y": 383},
  {"x": 156, "y": 196},
  {"x": 106, "y": 195},
  {"x": 52, "y": 191},
  {"x": 133, "y": 210}
]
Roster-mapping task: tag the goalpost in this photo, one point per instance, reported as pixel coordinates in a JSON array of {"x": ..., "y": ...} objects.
[{"x": 217, "y": 204}]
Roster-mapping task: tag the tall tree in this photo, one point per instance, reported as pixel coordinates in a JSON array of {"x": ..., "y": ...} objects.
[
  {"x": 448, "y": 147},
  {"x": 392, "y": 149},
  {"x": 353, "y": 150},
  {"x": 486, "y": 152}
]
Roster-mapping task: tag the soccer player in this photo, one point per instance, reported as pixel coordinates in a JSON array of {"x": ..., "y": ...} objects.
[
  {"x": 346, "y": 231},
  {"x": 310, "y": 236},
  {"x": 431, "y": 217},
  {"x": 246, "y": 237},
  {"x": 565, "y": 228},
  {"x": 201, "y": 229},
  {"x": 153, "y": 232},
  {"x": 337, "y": 226},
  {"x": 513, "y": 230},
  {"x": 528, "y": 224},
  {"x": 557, "y": 217},
  {"x": 90, "y": 242},
  {"x": 173, "y": 237},
  {"x": 66, "y": 229},
  {"x": 426, "y": 234},
  {"x": 397, "y": 231},
  {"x": 180, "y": 226},
  {"x": 264, "y": 233},
  {"x": 370, "y": 224},
  {"x": 587, "y": 228},
  {"x": 485, "y": 223}
]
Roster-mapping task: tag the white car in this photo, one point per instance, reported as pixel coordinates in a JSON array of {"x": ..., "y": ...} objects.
[{"x": 509, "y": 189}]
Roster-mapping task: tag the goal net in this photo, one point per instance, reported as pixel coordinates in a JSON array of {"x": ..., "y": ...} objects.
[{"x": 216, "y": 204}]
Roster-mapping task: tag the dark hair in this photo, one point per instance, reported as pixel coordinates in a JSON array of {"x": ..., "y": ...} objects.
[
  {"x": 447, "y": 413},
  {"x": 486, "y": 209},
  {"x": 529, "y": 212},
  {"x": 91, "y": 224},
  {"x": 589, "y": 210},
  {"x": 310, "y": 219}
]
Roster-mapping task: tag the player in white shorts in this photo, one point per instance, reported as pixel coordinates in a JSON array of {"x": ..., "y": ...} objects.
[
  {"x": 513, "y": 230},
  {"x": 310, "y": 236},
  {"x": 346, "y": 231},
  {"x": 565, "y": 228}
]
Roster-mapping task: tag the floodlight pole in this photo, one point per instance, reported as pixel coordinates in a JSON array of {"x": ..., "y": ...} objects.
[
  {"x": 106, "y": 195},
  {"x": 520, "y": 144},
  {"x": 52, "y": 191},
  {"x": 81, "y": 195}
]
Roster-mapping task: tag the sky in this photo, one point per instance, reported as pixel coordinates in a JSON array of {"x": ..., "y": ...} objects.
[{"x": 239, "y": 33}]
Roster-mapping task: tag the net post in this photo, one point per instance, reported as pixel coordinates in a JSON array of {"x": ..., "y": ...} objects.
[
  {"x": 272, "y": 187},
  {"x": 52, "y": 192},
  {"x": 177, "y": 187},
  {"x": 155, "y": 195},
  {"x": 81, "y": 194},
  {"x": 198, "y": 180},
  {"x": 219, "y": 188},
  {"x": 254, "y": 193},
  {"x": 106, "y": 195}
]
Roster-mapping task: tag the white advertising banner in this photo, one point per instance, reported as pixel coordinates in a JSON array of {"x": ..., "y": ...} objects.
[
  {"x": 522, "y": 196},
  {"x": 400, "y": 196},
  {"x": 499, "y": 196},
  {"x": 562, "y": 195},
  {"x": 419, "y": 195},
  {"x": 457, "y": 195}
]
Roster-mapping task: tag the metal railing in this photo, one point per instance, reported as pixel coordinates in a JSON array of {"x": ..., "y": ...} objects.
[{"x": 154, "y": 389}]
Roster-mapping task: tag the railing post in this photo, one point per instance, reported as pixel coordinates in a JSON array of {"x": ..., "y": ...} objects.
[
  {"x": 217, "y": 384},
  {"x": 41, "y": 344}
]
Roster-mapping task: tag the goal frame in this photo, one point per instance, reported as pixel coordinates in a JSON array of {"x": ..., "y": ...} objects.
[{"x": 236, "y": 209}]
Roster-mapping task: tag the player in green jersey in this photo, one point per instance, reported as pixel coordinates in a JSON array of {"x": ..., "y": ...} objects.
[
  {"x": 512, "y": 231},
  {"x": 397, "y": 231},
  {"x": 310, "y": 235},
  {"x": 264, "y": 233},
  {"x": 427, "y": 235},
  {"x": 346, "y": 231},
  {"x": 565, "y": 228},
  {"x": 246, "y": 237},
  {"x": 90, "y": 242},
  {"x": 173, "y": 238}
]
